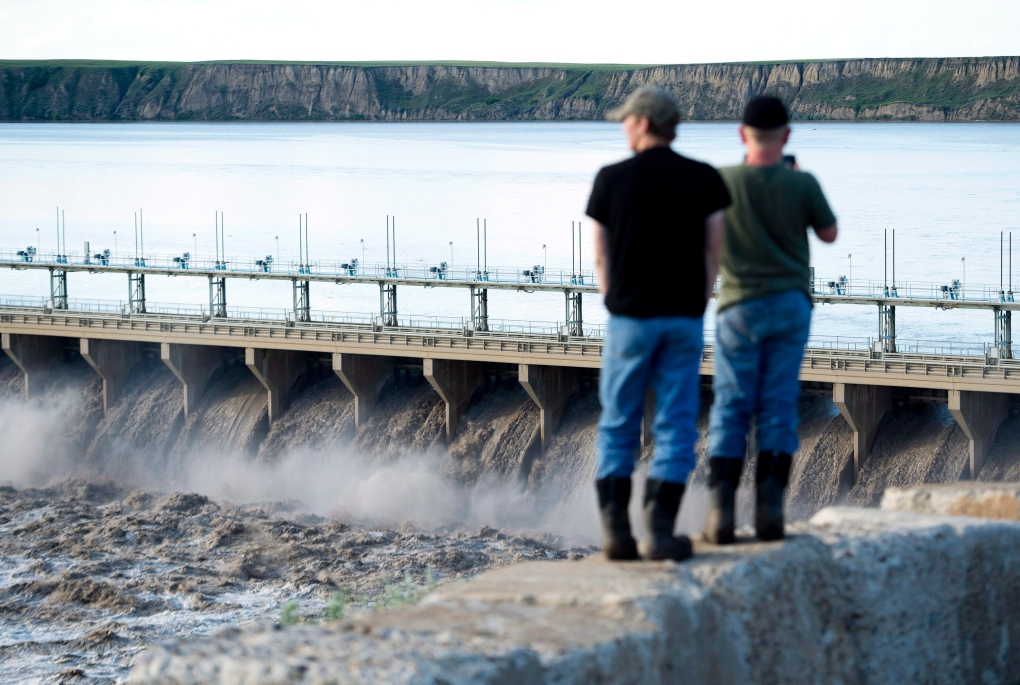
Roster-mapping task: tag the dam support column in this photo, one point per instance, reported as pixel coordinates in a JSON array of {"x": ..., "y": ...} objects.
[
  {"x": 455, "y": 381},
  {"x": 136, "y": 292},
  {"x": 113, "y": 361},
  {"x": 278, "y": 371},
  {"x": 35, "y": 355},
  {"x": 979, "y": 414},
  {"x": 549, "y": 387},
  {"x": 193, "y": 365},
  {"x": 575, "y": 318},
  {"x": 218, "y": 296},
  {"x": 863, "y": 407},
  {"x": 364, "y": 375},
  {"x": 58, "y": 287}
]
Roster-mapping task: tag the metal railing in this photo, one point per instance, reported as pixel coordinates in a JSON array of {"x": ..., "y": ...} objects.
[
  {"x": 940, "y": 348},
  {"x": 840, "y": 289},
  {"x": 268, "y": 314},
  {"x": 419, "y": 270}
]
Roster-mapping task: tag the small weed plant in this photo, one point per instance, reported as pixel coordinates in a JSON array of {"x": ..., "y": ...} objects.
[
  {"x": 340, "y": 604},
  {"x": 407, "y": 592}
]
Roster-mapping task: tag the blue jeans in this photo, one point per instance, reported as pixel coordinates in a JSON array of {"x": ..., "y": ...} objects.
[
  {"x": 758, "y": 352},
  {"x": 663, "y": 354}
]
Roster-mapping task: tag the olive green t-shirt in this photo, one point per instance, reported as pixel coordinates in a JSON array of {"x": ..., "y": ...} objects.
[{"x": 765, "y": 245}]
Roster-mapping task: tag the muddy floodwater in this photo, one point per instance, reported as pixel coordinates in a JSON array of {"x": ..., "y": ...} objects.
[{"x": 91, "y": 571}]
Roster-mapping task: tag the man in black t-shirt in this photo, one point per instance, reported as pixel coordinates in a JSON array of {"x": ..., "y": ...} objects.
[{"x": 658, "y": 228}]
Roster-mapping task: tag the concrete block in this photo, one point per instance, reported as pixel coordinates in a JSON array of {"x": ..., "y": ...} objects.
[
  {"x": 278, "y": 371},
  {"x": 455, "y": 381},
  {"x": 35, "y": 355},
  {"x": 983, "y": 500},
  {"x": 364, "y": 375},
  {"x": 113, "y": 361},
  {"x": 863, "y": 407},
  {"x": 193, "y": 365},
  {"x": 549, "y": 387},
  {"x": 854, "y": 596},
  {"x": 979, "y": 414}
]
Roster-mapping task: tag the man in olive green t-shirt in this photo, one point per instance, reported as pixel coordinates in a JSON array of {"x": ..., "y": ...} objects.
[{"x": 762, "y": 320}]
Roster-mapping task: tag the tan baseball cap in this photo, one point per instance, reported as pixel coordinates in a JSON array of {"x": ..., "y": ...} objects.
[{"x": 649, "y": 101}]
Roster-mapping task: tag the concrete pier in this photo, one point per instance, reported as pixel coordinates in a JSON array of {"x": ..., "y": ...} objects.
[
  {"x": 364, "y": 375},
  {"x": 113, "y": 361},
  {"x": 278, "y": 371},
  {"x": 35, "y": 355},
  {"x": 455, "y": 381},
  {"x": 859, "y": 596},
  {"x": 979, "y": 414},
  {"x": 193, "y": 365},
  {"x": 549, "y": 387},
  {"x": 863, "y": 407}
]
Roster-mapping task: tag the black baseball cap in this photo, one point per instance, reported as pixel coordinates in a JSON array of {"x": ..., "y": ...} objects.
[{"x": 765, "y": 112}]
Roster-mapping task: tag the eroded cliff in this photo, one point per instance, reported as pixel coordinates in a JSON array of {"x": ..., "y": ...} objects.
[{"x": 952, "y": 89}]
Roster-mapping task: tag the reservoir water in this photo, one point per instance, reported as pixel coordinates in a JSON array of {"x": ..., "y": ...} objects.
[{"x": 947, "y": 189}]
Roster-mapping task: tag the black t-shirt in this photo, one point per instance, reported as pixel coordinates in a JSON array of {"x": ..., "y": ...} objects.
[{"x": 654, "y": 207}]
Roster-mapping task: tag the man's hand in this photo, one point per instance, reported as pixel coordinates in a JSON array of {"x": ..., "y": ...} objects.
[
  {"x": 827, "y": 234},
  {"x": 713, "y": 246},
  {"x": 601, "y": 261}
]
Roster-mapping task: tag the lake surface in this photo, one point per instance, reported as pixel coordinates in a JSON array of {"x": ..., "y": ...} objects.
[{"x": 947, "y": 189}]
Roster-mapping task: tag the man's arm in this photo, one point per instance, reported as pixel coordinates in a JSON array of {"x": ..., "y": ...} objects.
[
  {"x": 601, "y": 261},
  {"x": 827, "y": 234},
  {"x": 713, "y": 246}
]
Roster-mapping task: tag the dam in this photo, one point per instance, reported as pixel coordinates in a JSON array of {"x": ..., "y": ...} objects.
[{"x": 551, "y": 365}]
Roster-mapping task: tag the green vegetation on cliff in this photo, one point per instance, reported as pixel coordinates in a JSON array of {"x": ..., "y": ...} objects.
[{"x": 957, "y": 89}]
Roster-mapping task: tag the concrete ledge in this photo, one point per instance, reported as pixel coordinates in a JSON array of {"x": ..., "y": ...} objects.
[
  {"x": 854, "y": 596},
  {"x": 983, "y": 500}
]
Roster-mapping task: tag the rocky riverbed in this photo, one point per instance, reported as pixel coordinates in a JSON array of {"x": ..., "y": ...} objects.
[{"x": 92, "y": 571}]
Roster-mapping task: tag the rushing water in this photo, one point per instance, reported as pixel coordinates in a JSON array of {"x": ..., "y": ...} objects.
[{"x": 947, "y": 189}]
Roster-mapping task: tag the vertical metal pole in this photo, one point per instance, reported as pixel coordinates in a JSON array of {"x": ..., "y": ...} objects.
[
  {"x": 387, "y": 244},
  {"x": 885, "y": 256},
  {"x": 141, "y": 231},
  {"x": 894, "y": 259},
  {"x": 573, "y": 250},
  {"x": 478, "y": 246},
  {"x": 223, "y": 237},
  {"x": 485, "y": 245},
  {"x": 394, "y": 245},
  {"x": 306, "y": 239},
  {"x": 64, "y": 232},
  {"x": 580, "y": 266},
  {"x": 136, "y": 238},
  {"x": 300, "y": 247}
]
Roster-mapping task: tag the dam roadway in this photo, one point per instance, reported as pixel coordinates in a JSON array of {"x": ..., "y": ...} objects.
[{"x": 863, "y": 383}]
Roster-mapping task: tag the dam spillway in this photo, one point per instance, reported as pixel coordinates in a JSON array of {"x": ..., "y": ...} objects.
[{"x": 188, "y": 413}]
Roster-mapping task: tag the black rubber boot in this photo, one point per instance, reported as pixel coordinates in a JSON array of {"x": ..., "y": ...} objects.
[
  {"x": 771, "y": 478},
  {"x": 723, "y": 479},
  {"x": 614, "y": 496},
  {"x": 661, "y": 505}
]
